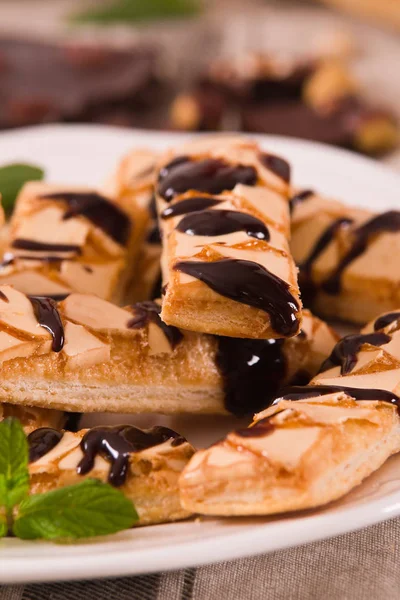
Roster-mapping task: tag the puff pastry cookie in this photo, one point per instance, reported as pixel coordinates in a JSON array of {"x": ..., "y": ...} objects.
[
  {"x": 134, "y": 177},
  {"x": 64, "y": 239},
  {"x": 85, "y": 354},
  {"x": 227, "y": 269},
  {"x": 144, "y": 464},
  {"x": 316, "y": 442},
  {"x": 345, "y": 256}
]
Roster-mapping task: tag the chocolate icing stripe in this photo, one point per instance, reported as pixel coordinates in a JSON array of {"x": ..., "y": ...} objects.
[
  {"x": 98, "y": 209},
  {"x": 252, "y": 372},
  {"x": 116, "y": 443},
  {"x": 210, "y": 175},
  {"x": 299, "y": 198},
  {"x": 189, "y": 205},
  {"x": 386, "y": 222},
  {"x": 48, "y": 317},
  {"x": 150, "y": 311},
  {"x": 222, "y": 222},
  {"x": 41, "y": 441},
  {"x": 345, "y": 352},
  {"x": 385, "y": 320},
  {"x": 249, "y": 283},
  {"x": 23, "y": 244},
  {"x": 312, "y": 391}
]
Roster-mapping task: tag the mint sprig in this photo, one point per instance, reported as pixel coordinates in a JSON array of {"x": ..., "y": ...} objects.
[
  {"x": 14, "y": 475},
  {"x": 89, "y": 508},
  {"x": 133, "y": 11},
  {"x": 86, "y": 509},
  {"x": 12, "y": 178}
]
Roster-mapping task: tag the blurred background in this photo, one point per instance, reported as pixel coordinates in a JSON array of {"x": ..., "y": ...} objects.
[{"x": 325, "y": 70}]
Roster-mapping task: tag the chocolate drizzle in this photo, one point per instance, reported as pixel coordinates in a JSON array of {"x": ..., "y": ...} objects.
[
  {"x": 22, "y": 244},
  {"x": 252, "y": 371},
  {"x": 99, "y": 210},
  {"x": 48, "y": 317},
  {"x": 150, "y": 311},
  {"x": 249, "y": 283},
  {"x": 3, "y": 297},
  {"x": 41, "y": 441},
  {"x": 345, "y": 352},
  {"x": 299, "y": 198},
  {"x": 189, "y": 205},
  {"x": 222, "y": 222},
  {"x": 312, "y": 391},
  {"x": 385, "y": 320},
  {"x": 154, "y": 236},
  {"x": 276, "y": 164},
  {"x": 116, "y": 443},
  {"x": 388, "y": 221},
  {"x": 322, "y": 242},
  {"x": 210, "y": 175}
]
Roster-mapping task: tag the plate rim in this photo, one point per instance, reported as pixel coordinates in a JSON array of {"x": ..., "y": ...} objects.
[{"x": 24, "y": 566}]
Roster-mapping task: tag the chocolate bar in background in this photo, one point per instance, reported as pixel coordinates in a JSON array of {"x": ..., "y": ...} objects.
[
  {"x": 317, "y": 99},
  {"x": 45, "y": 82}
]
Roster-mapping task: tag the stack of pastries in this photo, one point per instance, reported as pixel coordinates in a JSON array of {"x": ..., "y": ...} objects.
[{"x": 174, "y": 289}]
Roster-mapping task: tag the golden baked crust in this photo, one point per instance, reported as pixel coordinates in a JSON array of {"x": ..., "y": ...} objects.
[
  {"x": 315, "y": 443},
  {"x": 151, "y": 479},
  {"x": 62, "y": 239},
  {"x": 326, "y": 233},
  {"x": 263, "y": 297},
  {"x": 126, "y": 360}
]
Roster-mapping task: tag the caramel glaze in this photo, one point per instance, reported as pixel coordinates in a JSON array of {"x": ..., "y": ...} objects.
[
  {"x": 294, "y": 393},
  {"x": 209, "y": 175},
  {"x": 276, "y": 164},
  {"x": 249, "y": 283},
  {"x": 385, "y": 320},
  {"x": 48, "y": 317},
  {"x": 386, "y": 222},
  {"x": 150, "y": 311},
  {"x": 299, "y": 198},
  {"x": 189, "y": 205},
  {"x": 345, "y": 352},
  {"x": 22, "y": 244},
  {"x": 252, "y": 372},
  {"x": 99, "y": 210},
  {"x": 116, "y": 443},
  {"x": 222, "y": 222},
  {"x": 41, "y": 441}
]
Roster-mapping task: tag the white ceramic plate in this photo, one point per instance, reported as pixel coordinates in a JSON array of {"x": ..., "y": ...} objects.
[{"x": 86, "y": 154}]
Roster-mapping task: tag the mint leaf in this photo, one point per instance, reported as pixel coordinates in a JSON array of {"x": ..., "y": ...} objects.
[
  {"x": 132, "y": 11},
  {"x": 83, "y": 510},
  {"x": 12, "y": 178},
  {"x": 14, "y": 474}
]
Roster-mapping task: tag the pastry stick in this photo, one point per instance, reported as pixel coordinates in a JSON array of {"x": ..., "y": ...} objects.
[
  {"x": 144, "y": 464},
  {"x": 316, "y": 442},
  {"x": 227, "y": 269},
  {"x": 87, "y": 355},
  {"x": 135, "y": 173},
  {"x": 63, "y": 239},
  {"x": 345, "y": 256}
]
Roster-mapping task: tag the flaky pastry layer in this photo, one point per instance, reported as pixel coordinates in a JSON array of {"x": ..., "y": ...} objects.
[
  {"x": 345, "y": 256},
  {"x": 100, "y": 357},
  {"x": 229, "y": 272},
  {"x": 315, "y": 443},
  {"x": 149, "y": 477}
]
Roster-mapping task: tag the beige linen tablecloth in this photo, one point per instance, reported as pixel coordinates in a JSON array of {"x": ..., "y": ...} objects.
[{"x": 357, "y": 566}]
